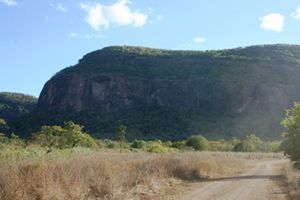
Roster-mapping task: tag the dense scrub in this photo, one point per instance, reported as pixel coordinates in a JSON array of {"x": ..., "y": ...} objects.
[
  {"x": 14, "y": 105},
  {"x": 72, "y": 135}
]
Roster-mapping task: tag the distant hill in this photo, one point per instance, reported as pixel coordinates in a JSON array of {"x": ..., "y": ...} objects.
[
  {"x": 15, "y": 105},
  {"x": 168, "y": 94}
]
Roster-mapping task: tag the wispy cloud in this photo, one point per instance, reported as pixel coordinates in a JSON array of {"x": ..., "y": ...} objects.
[
  {"x": 272, "y": 22},
  {"x": 119, "y": 14},
  {"x": 73, "y": 34},
  {"x": 156, "y": 19},
  {"x": 9, "y": 2},
  {"x": 199, "y": 39},
  {"x": 59, "y": 7},
  {"x": 296, "y": 14}
]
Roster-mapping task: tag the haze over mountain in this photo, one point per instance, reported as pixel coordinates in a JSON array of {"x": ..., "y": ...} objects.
[{"x": 172, "y": 94}]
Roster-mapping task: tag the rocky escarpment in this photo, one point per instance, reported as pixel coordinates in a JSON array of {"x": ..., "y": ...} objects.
[{"x": 172, "y": 94}]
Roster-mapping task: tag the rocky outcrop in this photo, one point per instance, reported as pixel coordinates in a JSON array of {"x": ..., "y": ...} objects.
[{"x": 232, "y": 92}]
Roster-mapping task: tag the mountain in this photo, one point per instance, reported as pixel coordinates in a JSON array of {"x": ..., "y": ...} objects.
[
  {"x": 15, "y": 105},
  {"x": 169, "y": 94}
]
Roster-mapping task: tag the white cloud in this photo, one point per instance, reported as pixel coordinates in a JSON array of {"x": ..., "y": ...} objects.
[
  {"x": 119, "y": 14},
  {"x": 9, "y": 2},
  {"x": 272, "y": 22},
  {"x": 59, "y": 7},
  {"x": 296, "y": 14},
  {"x": 199, "y": 39}
]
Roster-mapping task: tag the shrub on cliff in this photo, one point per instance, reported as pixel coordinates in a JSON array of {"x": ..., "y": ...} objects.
[{"x": 67, "y": 136}]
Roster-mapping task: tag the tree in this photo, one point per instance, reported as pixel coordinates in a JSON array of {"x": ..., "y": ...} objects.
[
  {"x": 251, "y": 143},
  {"x": 198, "y": 142},
  {"x": 291, "y": 145},
  {"x": 3, "y": 126},
  {"x": 122, "y": 131},
  {"x": 2, "y": 122},
  {"x": 67, "y": 136},
  {"x": 3, "y": 130}
]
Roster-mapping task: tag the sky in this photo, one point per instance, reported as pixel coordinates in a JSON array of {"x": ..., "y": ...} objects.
[{"x": 39, "y": 38}]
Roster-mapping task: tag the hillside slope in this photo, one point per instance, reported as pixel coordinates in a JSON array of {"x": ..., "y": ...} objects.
[
  {"x": 172, "y": 94},
  {"x": 15, "y": 105}
]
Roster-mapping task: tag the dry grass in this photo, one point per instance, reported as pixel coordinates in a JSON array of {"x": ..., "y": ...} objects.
[
  {"x": 109, "y": 175},
  {"x": 293, "y": 181}
]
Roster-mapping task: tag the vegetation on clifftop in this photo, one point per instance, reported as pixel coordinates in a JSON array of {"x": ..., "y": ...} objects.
[{"x": 175, "y": 64}]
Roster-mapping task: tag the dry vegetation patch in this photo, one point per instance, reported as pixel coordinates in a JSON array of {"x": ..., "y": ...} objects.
[
  {"x": 109, "y": 175},
  {"x": 292, "y": 181}
]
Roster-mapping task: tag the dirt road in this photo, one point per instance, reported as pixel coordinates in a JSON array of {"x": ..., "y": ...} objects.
[{"x": 263, "y": 181}]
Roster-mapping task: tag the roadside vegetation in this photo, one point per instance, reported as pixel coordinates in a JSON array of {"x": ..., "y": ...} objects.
[
  {"x": 291, "y": 147},
  {"x": 64, "y": 162}
]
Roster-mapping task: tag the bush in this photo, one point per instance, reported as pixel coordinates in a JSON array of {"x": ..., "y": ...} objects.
[
  {"x": 68, "y": 136},
  {"x": 156, "y": 147},
  {"x": 138, "y": 144},
  {"x": 198, "y": 142},
  {"x": 179, "y": 145},
  {"x": 291, "y": 145},
  {"x": 251, "y": 143},
  {"x": 112, "y": 145}
]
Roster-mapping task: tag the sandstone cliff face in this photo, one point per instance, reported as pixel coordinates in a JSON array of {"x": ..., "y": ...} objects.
[
  {"x": 245, "y": 104},
  {"x": 114, "y": 91}
]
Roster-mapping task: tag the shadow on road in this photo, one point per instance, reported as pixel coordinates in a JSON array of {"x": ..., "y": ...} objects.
[{"x": 235, "y": 178}]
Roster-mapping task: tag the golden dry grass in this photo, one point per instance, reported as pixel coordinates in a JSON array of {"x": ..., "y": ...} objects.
[
  {"x": 292, "y": 181},
  {"x": 109, "y": 175}
]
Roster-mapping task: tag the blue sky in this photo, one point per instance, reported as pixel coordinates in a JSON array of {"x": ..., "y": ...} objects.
[{"x": 39, "y": 38}]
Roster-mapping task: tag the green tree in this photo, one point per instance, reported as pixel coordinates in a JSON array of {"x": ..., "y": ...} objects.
[
  {"x": 67, "y": 136},
  {"x": 138, "y": 144},
  {"x": 3, "y": 126},
  {"x": 291, "y": 122},
  {"x": 122, "y": 131},
  {"x": 198, "y": 142},
  {"x": 2, "y": 122},
  {"x": 251, "y": 143}
]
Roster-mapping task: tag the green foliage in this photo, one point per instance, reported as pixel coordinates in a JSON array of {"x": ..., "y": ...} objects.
[
  {"x": 14, "y": 105},
  {"x": 252, "y": 143},
  {"x": 291, "y": 145},
  {"x": 138, "y": 144},
  {"x": 67, "y": 136},
  {"x": 3, "y": 126},
  {"x": 3, "y": 138},
  {"x": 156, "y": 147},
  {"x": 198, "y": 142},
  {"x": 2, "y": 122},
  {"x": 112, "y": 145},
  {"x": 180, "y": 145},
  {"x": 122, "y": 130}
]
